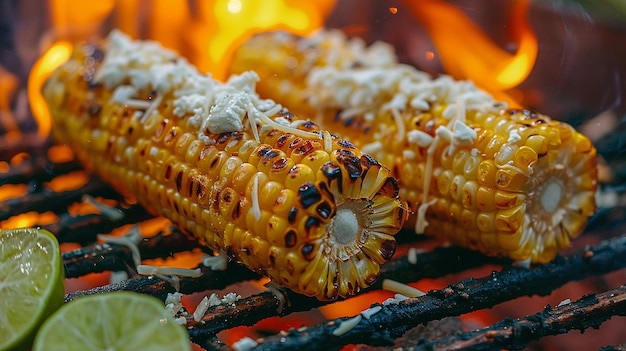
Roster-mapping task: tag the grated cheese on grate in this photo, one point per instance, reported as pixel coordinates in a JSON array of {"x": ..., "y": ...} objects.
[
  {"x": 144, "y": 269},
  {"x": 401, "y": 288},
  {"x": 245, "y": 344},
  {"x": 347, "y": 325},
  {"x": 368, "y": 313},
  {"x": 201, "y": 309}
]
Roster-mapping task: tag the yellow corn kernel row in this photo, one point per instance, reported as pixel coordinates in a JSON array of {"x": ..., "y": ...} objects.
[
  {"x": 507, "y": 182},
  {"x": 276, "y": 193}
]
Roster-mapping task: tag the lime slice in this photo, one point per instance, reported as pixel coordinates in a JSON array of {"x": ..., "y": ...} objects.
[
  {"x": 112, "y": 321},
  {"x": 31, "y": 284}
]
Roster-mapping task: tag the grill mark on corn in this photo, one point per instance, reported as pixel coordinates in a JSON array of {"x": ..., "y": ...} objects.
[
  {"x": 351, "y": 163},
  {"x": 263, "y": 150},
  {"x": 268, "y": 156},
  {"x": 390, "y": 187},
  {"x": 168, "y": 170},
  {"x": 215, "y": 161},
  {"x": 345, "y": 143},
  {"x": 282, "y": 140},
  {"x": 387, "y": 249},
  {"x": 369, "y": 161},
  {"x": 308, "y": 252},
  {"x": 224, "y": 137},
  {"x": 158, "y": 133},
  {"x": 304, "y": 149},
  {"x": 94, "y": 109},
  {"x": 332, "y": 171},
  {"x": 310, "y": 223},
  {"x": 279, "y": 164},
  {"x": 296, "y": 142},
  {"x": 291, "y": 238},
  {"x": 200, "y": 188},
  {"x": 309, "y": 195},
  {"x": 324, "y": 210},
  {"x": 308, "y": 125},
  {"x": 291, "y": 217},
  {"x": 179, "y": 180},
  {"x": 237, "y": 210},
  {"x": 170, "y": 136}
]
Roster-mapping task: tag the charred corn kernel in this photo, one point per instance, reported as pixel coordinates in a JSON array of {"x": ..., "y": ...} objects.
[
  {"x": 507, "y": 182},
  {"x": 241, "y": 174}
]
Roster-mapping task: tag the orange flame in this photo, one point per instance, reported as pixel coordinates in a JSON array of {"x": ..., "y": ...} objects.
[
  {"x": 224, "y": 24},
  {"x": 39, "y": 73},
  {"x": 206, "y": 34},
  {"x": 8, "y": 86},
  {"x": 466, "y": 52}
]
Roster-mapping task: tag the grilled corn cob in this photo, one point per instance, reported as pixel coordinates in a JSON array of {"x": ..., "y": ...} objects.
[
  {"x": 507, "y": 182},
  {"x": 241, "y": 174}
]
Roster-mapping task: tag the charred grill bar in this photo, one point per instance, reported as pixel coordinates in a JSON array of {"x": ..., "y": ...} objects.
[{"x": 382, "y": 328}]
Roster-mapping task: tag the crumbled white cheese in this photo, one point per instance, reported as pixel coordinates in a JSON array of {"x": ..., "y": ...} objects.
[
  {"x": 419, "y": 138},
  {"x": 216, "y": 263},
  {"x": 231, "y": 298},
  {"x": 444, "y": 133},
  {"x": 514, "y": 136},
  {"x": 462, "y": 134},
  {"x": 123, "y": 93},
  {"x": 245, "y": 344},
  {"x": 173, "y": 303},
  {"x": 564, "y": 303},
  {"x": 228, "y": 299},
  {"x": 368, "y": 313}
]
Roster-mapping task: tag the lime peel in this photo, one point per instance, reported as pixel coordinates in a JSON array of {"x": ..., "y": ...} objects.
[
  {"x": 112, "y": 321},
  {"x": 31, "y": 284}
]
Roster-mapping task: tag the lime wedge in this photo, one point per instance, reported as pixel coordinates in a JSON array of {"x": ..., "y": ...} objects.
[
  {"x": 117, "y": 321},
  {"x": 31, "y": 284}
]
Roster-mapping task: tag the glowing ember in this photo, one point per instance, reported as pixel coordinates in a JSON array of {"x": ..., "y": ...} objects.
[{"x": 29, "y": 219}]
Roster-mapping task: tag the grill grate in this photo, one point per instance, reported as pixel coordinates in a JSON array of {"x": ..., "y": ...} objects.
[{"x": 506, "y": 282}]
